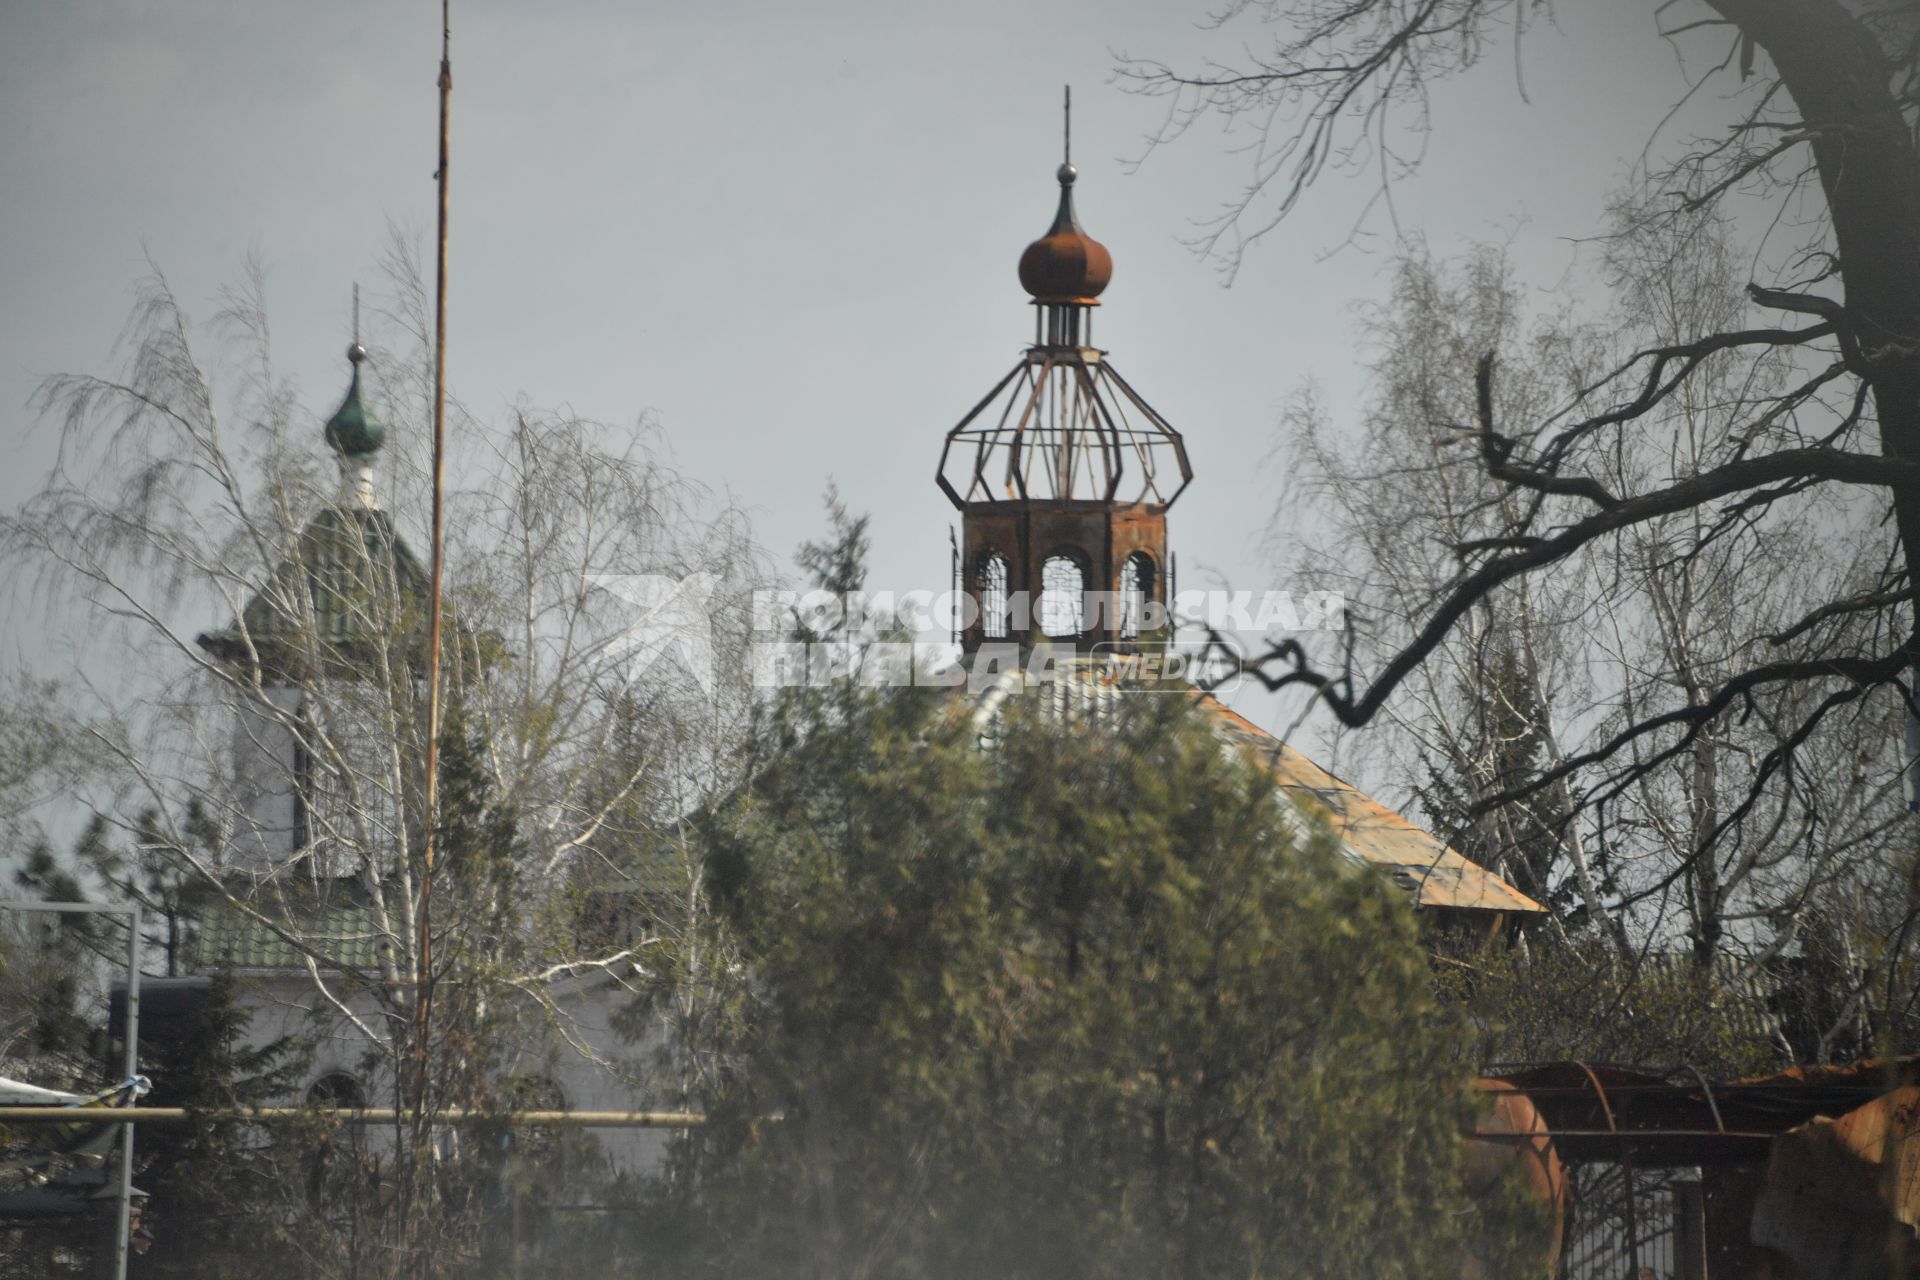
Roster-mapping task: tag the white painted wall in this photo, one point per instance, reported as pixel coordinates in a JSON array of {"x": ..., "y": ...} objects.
[
  {"x": 286, "y": 1004},
  {"x": 263, "y": 777}
]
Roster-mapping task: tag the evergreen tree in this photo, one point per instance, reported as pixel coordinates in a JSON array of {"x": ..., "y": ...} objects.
[
  {"x": 217, "y": 1188},
  {"x": 1503, "y": 750},
  {"x": 1092, "y": 1002},
  {"x": 49, "y": 972}
]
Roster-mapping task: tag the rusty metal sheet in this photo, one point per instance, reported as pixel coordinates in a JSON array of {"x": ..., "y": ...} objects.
[
  {"x": 1598, "y": 1112},
  {"x": 1437, "y": 875},
  {"x": 1513, "y": 1134},
  {"x": 1842, "y": 1196}
]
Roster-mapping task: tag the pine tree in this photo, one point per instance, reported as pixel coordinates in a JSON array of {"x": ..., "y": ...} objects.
[
  {"x": 217, "y": 1188},
  {"x": 1503, "y": 752},
  {"x": 1083, "y": 1004}
]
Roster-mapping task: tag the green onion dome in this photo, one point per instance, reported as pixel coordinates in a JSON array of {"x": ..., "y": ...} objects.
[{"x": 353, "y": 432}]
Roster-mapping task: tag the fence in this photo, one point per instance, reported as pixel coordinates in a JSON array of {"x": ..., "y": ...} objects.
[{"x": 1634, "y": 1224}]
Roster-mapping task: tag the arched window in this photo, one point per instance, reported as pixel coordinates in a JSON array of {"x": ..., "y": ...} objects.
[
  {"x": 336, "y": 1091},
  {"x": 1063, "y": 597},
  {"x": 993, "y": 595},
  {"x": 1136, "y": 591}
]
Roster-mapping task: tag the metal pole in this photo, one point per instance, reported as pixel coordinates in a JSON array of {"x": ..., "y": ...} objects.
[
  {"x": 131, "y": 1064},
  {"x": 377, "y": 1115},
  {"x": 130, "y": 1060}
]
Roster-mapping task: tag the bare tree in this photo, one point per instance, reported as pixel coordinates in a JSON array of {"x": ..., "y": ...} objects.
[
  {"x": 1823, "y": 412},
  {"x": 1703, "y": 601},
  {"x": 274, "y": 618},
  {"x": 1479, "y": 717},
  {"x": 1556, "y": 660}
]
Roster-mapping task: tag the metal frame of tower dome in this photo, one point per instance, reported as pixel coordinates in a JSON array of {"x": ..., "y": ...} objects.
[
  {"x": 1069, "y": 423},
  {"x": 1061, "y": 426},
  {"x": 1064, "y": 470},
  {"x": 1063, "y": 459}
]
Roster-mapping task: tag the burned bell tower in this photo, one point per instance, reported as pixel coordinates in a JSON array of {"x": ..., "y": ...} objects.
[{"x": 1063, "y": 474}]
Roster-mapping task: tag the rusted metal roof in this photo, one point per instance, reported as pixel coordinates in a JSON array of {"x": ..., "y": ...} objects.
[
  {"x": 1603, "y": 1112},
  {"x": 1370, "y": 832}
]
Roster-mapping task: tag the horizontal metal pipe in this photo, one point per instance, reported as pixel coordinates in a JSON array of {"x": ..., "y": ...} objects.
[
  {"x": 1875, "y": 1085},
  {"x": 351, "y": 1115},
  {"x": 615, "y": 1120},
  {"x": 1625, "y": 1135}
]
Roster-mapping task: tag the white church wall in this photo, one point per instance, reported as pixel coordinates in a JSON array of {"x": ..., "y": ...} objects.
[
  {"x": 594, "y": 1067},
  {"x": 265, "y": 770}
]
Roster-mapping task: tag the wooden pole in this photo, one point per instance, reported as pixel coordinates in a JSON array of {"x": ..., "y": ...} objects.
[{"x": 423, "y": 976}]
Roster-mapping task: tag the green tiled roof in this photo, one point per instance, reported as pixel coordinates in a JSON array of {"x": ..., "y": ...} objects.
[
  {"x": 346, "y": 936},
  {"x": 351, "y": 581}
]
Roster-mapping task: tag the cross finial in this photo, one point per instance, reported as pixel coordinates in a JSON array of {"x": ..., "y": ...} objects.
[
  {"x": 1066, "y": 116},
  {"x": 356, "y": 353}
]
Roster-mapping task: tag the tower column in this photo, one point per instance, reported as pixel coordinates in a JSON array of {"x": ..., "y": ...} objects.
[{"x": 1063, "y": 474}]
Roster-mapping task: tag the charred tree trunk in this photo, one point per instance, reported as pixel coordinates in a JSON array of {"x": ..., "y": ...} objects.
[
  {"x": 1842, "y": 81},
  {"x": 1708, "y": 897}
]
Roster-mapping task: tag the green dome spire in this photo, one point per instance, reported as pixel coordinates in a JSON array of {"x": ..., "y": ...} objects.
[{"x": 353, "y": 432}]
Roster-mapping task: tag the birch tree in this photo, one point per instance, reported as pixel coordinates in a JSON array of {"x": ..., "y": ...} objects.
[
  {"x": 1819, "y": 137},
  {"x": 255, "y": 618},
  {"x": 1681, "y": 845}
]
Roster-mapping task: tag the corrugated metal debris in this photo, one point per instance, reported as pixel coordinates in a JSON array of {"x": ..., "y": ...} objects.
[
  {"x": 1424, "y": 865},
  {"x": 1368, "y": 831}
]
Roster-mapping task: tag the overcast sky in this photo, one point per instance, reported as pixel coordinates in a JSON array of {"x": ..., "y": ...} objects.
[{"x": 787, "y": 231}]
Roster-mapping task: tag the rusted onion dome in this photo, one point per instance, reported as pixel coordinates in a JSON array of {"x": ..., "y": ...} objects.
[{"x": 1066, "y": 264}]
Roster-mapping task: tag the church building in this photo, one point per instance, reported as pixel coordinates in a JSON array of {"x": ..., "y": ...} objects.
[{"x": 1063, "y": 475}]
